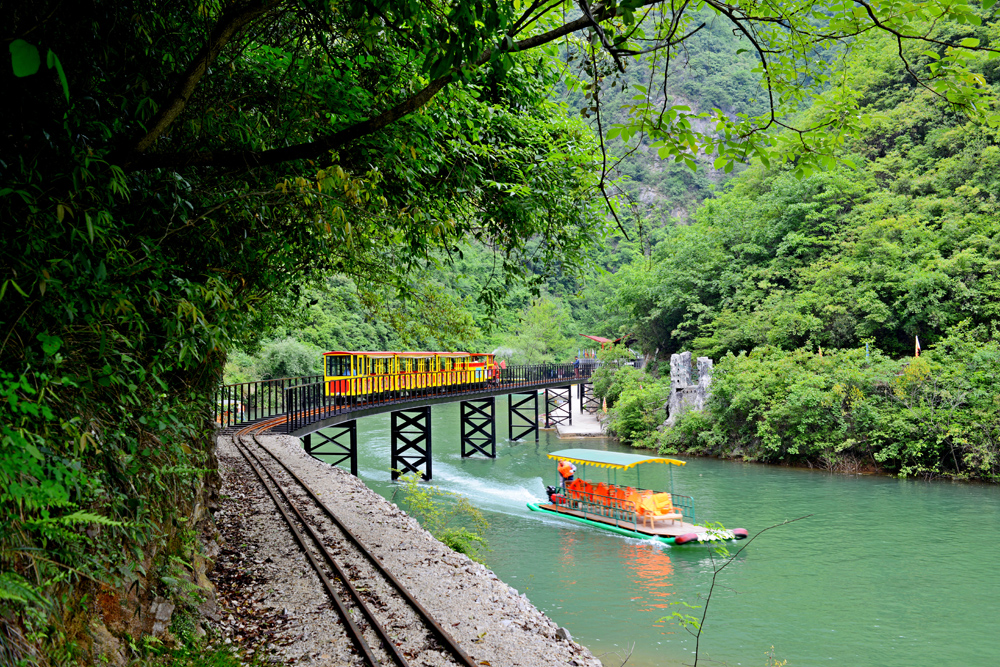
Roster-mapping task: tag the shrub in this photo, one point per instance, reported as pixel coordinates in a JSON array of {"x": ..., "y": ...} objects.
[
  {"x": 289, "y": 358},
  {"x": 932, "y": 415},
  {"x": 638, "y": 410},
  {"x": 447, "y": 516}
]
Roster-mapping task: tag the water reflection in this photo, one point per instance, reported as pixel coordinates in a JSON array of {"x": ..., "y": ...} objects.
[
  {"x": 650, "y": 569},
  {"x": 567, "y": 555}
]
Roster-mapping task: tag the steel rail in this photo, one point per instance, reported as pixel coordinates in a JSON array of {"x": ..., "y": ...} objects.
[
  {"x": 446, "y": 641},
  {"x": 440, "y": 632},
  {"x": 363, "y": 405},
  {"x": 353, "y": 632}
]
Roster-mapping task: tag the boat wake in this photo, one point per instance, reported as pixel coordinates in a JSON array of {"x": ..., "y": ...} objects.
[{"x": 491, "y": 494}]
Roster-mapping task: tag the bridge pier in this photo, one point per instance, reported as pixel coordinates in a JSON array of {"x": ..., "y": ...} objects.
[
  {"x": 411, "y": 442},
  {"x": 588, "y": 401},
  {"x": 479, "y": 427},
  {"x": 556, "y": 414},
  {"x": 347, "y": 451},
  {"x": 528, "y": 423}
]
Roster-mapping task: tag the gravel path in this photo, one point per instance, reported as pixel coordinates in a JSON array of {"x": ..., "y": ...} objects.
[{"x": 272, "y": 604}]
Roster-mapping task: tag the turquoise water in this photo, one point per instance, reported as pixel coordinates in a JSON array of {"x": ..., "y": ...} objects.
[{"x": 885, "y": 572}]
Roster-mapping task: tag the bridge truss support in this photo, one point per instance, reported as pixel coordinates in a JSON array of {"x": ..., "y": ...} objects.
[
  {"x": 557, "y": 413},
  {"x": 588, "y": 401},
  {"x": 526, "y": 422},
  {"x": 343, "y": 444},
  {"x": 479, "y": 428},
  {"x": 411, "y": 442}
]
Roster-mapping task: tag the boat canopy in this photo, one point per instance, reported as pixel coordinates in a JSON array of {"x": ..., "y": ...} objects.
[{"x": 616, "y": 460}]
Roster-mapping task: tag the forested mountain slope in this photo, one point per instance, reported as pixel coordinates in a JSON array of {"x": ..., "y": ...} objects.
[
  {"x": 812, "y": 294},
  {"x": 903, "y": 244}
]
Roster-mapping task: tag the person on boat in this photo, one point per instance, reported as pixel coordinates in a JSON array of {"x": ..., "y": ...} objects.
[{"x": 566, "y": 472}]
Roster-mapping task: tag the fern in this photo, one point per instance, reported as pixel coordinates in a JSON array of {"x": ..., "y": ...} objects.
[{"x": 15, "y": 588}]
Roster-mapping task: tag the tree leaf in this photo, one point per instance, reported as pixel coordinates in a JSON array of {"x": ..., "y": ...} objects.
[
  {"x": 24, "y": 58},
  {"x": 52, "y": 60}
]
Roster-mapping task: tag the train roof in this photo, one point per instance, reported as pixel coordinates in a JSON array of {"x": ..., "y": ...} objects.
[{"x": 371, "y": 353}]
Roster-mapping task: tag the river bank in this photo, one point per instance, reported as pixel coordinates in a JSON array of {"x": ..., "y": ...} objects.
[
  {"x": 858, "y": 583},
  {"x": 272, "y": 606}
]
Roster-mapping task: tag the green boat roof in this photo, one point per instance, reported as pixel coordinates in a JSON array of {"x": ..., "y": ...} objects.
[{"x": 594, "y": 457}]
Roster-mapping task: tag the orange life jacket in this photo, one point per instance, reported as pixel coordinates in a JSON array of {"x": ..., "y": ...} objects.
[{"x": 565, "y": 469}]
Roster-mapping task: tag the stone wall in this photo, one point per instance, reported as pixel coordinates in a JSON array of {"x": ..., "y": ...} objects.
[{"x": 685, "y": 395}]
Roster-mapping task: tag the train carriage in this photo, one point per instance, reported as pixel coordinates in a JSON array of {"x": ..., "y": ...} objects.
[{"x": 369, "y": 373}]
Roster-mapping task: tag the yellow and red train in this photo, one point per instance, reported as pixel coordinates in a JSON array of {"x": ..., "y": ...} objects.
[{"x": 363, "y": 373}]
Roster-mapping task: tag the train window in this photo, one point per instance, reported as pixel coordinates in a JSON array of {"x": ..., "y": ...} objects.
[
  {"x": 360, "y": 365},
  {"x": 338, "y": 365}
]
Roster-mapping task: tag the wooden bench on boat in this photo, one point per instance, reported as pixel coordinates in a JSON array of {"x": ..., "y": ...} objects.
[{"x": 658, "y": 507}]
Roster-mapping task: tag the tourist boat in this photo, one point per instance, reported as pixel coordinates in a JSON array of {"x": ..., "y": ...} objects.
[{"x": 631, "y": 511}]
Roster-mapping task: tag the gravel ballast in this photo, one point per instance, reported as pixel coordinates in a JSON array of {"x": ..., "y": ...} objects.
[{"x": 273, "y": 605}]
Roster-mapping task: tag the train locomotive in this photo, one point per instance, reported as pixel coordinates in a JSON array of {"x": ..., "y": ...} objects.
[{"x": 371, "y": 373}]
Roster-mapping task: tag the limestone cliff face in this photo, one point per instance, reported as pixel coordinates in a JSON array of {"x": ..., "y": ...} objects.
[{"x": 684, "y": 395}]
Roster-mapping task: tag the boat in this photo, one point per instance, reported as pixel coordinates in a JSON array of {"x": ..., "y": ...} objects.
[{"x": 666, "y": 517}]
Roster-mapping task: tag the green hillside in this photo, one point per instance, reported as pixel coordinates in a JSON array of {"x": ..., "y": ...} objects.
[{"x": 786, "y": 282}]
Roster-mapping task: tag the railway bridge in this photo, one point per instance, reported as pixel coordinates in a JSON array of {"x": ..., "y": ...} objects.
[{"x": 327, "y": 424}]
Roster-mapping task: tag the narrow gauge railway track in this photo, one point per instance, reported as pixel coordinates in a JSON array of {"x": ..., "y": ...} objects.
[{"x": 369, "y": 600}]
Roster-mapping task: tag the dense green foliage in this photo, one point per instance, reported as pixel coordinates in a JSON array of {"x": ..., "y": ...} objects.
[
  {"x": 931, "y": 415},
  {"x": 786, "y": 280},
  {"x": 635, "y": 399},
  {"x": 127, "y": 278},
  {"x": 444, "y": 312},
  {"x": 904, "y": 245}
]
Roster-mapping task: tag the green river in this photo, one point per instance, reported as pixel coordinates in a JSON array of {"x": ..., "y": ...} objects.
[{"x": 885, "y": 572}]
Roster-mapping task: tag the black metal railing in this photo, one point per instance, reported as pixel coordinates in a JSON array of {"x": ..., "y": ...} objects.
[
  {"x": 248, "y": 402},
  {"x": 618, "y": 508},
  {"x": 310, "y": 403},
  {"x": 305, "y": 400}
]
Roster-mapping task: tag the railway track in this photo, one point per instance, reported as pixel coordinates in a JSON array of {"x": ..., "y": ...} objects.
[{"x": 382, "y": 620}]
